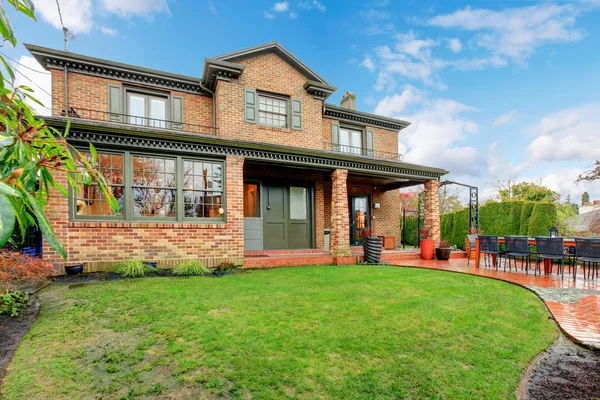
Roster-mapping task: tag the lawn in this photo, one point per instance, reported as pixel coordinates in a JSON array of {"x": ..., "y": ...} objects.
[{"x": 306, "y": 332}]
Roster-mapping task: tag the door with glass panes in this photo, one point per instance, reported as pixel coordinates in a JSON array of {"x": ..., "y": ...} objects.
[{"x": 287, "y": 216}]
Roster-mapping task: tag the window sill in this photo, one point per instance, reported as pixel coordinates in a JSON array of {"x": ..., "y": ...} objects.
[{"x": 146, "y": 225}]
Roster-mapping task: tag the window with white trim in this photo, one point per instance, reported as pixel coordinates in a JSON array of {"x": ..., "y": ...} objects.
[
  {"x": 146, "y": 109},
  {"x": 272, "y": 110}
]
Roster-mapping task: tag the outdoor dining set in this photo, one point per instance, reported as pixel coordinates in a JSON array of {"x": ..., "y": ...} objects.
[{"x": 574, "y": 252}]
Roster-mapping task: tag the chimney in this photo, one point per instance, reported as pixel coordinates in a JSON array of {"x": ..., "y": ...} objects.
[{"x": 348, "y": 101}]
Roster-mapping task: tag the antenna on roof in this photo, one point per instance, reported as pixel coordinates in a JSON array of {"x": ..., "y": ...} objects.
[{"x": 66, "y": 32}]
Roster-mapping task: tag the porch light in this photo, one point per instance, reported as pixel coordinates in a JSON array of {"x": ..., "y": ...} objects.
[{"x": 553, "y": 232}]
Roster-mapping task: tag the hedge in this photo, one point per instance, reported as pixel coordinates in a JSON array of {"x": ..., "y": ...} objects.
[
  {"x": 502, "y": 219},
  {"x": 542, "y": 218},
  {"x": 410, "y": 231}
]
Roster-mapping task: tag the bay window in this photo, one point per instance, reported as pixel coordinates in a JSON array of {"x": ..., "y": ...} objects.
[{"x": 153, "y": 188}]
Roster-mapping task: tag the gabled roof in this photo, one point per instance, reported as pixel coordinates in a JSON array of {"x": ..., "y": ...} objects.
[{"x": 278, "y": 49}]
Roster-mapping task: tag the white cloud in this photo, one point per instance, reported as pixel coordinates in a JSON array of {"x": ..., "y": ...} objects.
[
  {"x": 398, "y": 103},
  {"x": 76, "y": 14},
  {"x": 505, "y": 118},
  {"x": 293, "y": 15},
  {"x": 139, "y": 8},
  {"x": 41, "y": 79},
  {"x": 269, "y": 14},
  {"x": 368, "y": 64},
  {"x": 106, "y": 31},
  {"x": 455, "y": 45},
  {"x": 568, "y": 135},
  {"x": 213, "y": 8},
  {"x": 313, "y": 5},
  {"x": 281, "y": 7},
  {"x": 515, "y": 32}
]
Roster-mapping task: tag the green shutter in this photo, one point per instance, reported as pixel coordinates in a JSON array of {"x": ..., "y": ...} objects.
[
  {"x": 335, "y": 136},
  {"x": 297, "y": 114},
  {"x": 115, "y": 103},
  {"x": 250, "y": 106},
  {"x": 177, "y": 112},
  {"x": 370, "y": 143}
]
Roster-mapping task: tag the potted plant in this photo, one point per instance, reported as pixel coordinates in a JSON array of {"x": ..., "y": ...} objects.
[
  {"x": 372, "y": 246},
  {"x": 74, "y": 269},
  {"x": 443, "y": 251},
  {"x": 427, "y": 245}
]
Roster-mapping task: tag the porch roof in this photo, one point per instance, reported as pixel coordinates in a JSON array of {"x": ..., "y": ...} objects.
[{"x": 84, "y": 131}]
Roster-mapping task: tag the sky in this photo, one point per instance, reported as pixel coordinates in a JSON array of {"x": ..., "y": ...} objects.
[{"x": 492, "y": 89}]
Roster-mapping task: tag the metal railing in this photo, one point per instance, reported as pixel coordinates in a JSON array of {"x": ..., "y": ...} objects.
[
  {"x": 127, "y": 119},
  {"x": 360, "y": 151}
]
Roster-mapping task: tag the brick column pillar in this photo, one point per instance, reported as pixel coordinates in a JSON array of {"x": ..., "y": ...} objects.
[
  {"x": 235, "y": 210},
  {"x": 432, "y": 210},
  {"x": 340, "y": 220}
]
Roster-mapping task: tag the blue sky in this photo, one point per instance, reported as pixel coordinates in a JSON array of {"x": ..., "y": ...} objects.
[{"x": 492, "y": 89}]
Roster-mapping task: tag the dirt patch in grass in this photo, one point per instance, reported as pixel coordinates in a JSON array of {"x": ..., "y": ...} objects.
[
  {"x": 564, "y": 371},
  {"x": 12, "y": 330}
]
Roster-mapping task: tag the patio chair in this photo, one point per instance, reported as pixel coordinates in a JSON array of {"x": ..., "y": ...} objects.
[
  {"x": 470, "y": 248},
  {"x": 517, "y": 246},
  {"x": 587, "y": 250},
  {"x": 552, "y": 248},
  {"x": 488, "y": 246}
]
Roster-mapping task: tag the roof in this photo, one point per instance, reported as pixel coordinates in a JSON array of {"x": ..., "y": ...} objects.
[
  {"x": 351, "y": 115},
  {"x": 278, "y": 49}
]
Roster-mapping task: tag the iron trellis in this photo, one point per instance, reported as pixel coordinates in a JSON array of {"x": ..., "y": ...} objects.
[
  {"x": 420, "y": 217},
  {"x": 473, "y": 202}
]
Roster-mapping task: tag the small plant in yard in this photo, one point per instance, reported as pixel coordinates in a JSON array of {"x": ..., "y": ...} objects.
[
  {"x": 444, "y": 244},
  {"x": 224, "y": 268},
  {"x": 191, "y": 268},
  {"x": 424, "y": 233},
  {"x": 13, "y": 303},
  {"x": 19, "y": 269},
  {"x": 133, "y": 269}
]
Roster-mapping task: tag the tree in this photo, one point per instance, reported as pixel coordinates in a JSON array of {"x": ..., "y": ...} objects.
[
  {"x": 590, "y": 175},
  {"x": 530, "y": 191},
  {"x": 449, "y": 200},
  {"x": 31, "y": 152},
  {"x": 410, "y": 200},
  {"x": 503, "y": 186},
  {"x": 585, "y": 198}
]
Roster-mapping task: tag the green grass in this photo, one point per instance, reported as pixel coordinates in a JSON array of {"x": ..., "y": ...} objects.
[{"x": 307, "y": 332}]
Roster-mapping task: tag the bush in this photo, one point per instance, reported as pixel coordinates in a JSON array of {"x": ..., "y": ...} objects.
[
  {"x": 133, "y": 269},
  {"x": 460, "y": 228},
  {"x": 525, "y": 217},
  {"x": 13, "y": 303},
  {"x": 494, "y": 218},
  {"x": 543, "y": 217},
  {"x": 224, "y": 268},
  {"x": 515, "y": 217},
  {"x": 191, "y": 268},
  {"x": 20, "y": 269},
  {"x": 409, "y": 231},
  {"x": 447, "y": 224}
]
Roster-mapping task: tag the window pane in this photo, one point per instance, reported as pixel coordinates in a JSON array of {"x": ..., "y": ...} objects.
[
  {"x": 298, "y": 206},
  {"x": 154, "y": 193},
  {"x": 158, "y": 112},
  {"x": 136, "y": 108},
  {"x": 89, "y": 200},
  {"x": 202, "y": 193},
  {"x": 272, "y": 111},
  {"x": 251, "y": 200}
]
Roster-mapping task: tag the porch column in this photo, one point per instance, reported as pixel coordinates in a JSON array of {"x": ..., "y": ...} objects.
[
  {"x": 340, "y": 217},
  {"x": 432, "y": 210}
]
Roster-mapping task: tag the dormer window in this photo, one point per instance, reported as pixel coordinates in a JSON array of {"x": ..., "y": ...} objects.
[{"x": 272, "y": 110}]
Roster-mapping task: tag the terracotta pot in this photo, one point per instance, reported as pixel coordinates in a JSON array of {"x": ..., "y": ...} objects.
[
  {"x": 427, "y": 249},
  {"x": 443, "y": 253}
]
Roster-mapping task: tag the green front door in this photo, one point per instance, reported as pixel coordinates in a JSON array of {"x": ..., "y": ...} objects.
[{"x": 287, "y": 217}]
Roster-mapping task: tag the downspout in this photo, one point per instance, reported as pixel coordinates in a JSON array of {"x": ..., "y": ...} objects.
[
  {"x": 214, "y": 106},
  {"x": 66, "y": 90}
]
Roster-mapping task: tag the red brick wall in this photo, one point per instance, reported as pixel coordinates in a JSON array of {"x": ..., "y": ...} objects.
[
  {"x": 99, "y": 245},
  {"x": 340, "y": 218},
  {"x": 91, "y": 92},
  {"x": 432, "y": 210}
]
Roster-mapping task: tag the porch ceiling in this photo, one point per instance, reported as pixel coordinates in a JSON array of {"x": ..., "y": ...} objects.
[{"x": 384, "y": 182}]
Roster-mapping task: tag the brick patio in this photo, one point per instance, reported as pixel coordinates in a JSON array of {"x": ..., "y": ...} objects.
[{"x": 574, "y": 304}]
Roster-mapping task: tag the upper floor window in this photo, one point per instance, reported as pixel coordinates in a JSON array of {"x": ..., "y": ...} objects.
[
  {"x": 272, "y": 110},
  {"x": 146, "y": 109},
  {"x": 351, "y": 140}
]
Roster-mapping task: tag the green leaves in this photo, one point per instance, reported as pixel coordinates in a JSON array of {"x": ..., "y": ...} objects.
[
  {"x": 6, "y": 29},
  {"x": 7, "y": 219}
]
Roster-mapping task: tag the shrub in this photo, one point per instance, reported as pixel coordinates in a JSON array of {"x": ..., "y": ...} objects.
[
  {"x": 409, "y": 231},
  {"x": 515, "y": 217},
  {"x": 13, "y": 303},
  {"x": 20, "y": 269},
  {"x": 460, "y": 228},
  {"x": 224, "y": 268},
  {"x": 133, "y": 269},
  {"x": 543, "y": 217},
  {"x": 447, "y": 223},
  {"x": 525, "y": 217},
  {"x": 191, "y": 268}
]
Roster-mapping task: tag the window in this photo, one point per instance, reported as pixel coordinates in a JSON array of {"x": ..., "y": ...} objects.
[
  {"x": 251, "y": 200},
  {"x": 298, "y": 203},
  {"x": 90, "y": 199},
  {"x": 149, "y": 187},
  {"x": 203, "y": 189},
  {"x": 154, "y": 188},
  {"x": 351, "y": 140},
  {"x": 145, "y": 109},
  {"x": 272, "y": 110}
]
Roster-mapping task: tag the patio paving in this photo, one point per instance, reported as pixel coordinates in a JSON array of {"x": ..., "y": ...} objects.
[{"x": 574, "y": 304}]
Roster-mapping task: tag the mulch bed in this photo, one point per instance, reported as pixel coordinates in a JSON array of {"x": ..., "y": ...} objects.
[
  {"x": 564, "y": 371},
  {"x": 12, "y": 330}
]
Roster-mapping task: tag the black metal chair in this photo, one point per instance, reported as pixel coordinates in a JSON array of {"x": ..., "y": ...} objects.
[
  {"x": 488, "y": 246},
  {"x": 587, "y": 250},
  {"x": 552, "y": 248},
  {"x": 517, "y": 246}
]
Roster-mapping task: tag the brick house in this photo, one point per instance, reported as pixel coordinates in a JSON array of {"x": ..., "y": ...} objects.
[{"x": 248, "y": 157}]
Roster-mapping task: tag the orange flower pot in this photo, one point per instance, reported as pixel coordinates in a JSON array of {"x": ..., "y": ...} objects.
[{"x": 427, "y": 249}]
